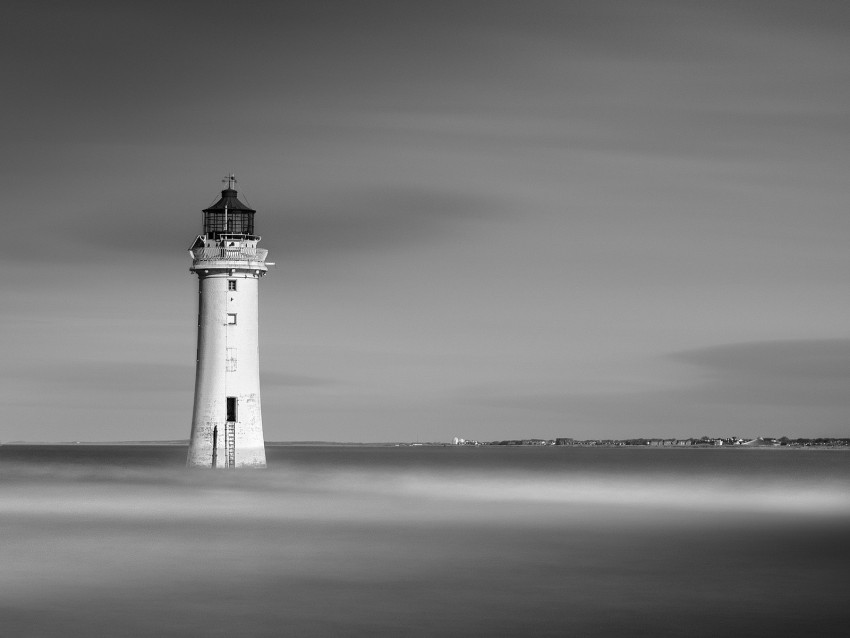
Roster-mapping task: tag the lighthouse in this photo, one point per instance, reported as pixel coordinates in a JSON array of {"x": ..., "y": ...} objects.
[{"x": 227, "y": 423}]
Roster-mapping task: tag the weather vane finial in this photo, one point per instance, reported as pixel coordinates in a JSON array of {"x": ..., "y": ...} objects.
[{"x": 230, "y": 179}]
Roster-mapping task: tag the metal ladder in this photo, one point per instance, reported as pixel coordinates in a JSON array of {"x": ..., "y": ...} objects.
[{"x": 230, "y": 443}]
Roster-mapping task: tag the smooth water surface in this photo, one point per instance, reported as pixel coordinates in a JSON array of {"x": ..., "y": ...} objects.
[{"x": 421, "y": 541}]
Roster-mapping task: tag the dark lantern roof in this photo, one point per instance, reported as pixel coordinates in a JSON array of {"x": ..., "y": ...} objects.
[{"x": 229, "y": 199}]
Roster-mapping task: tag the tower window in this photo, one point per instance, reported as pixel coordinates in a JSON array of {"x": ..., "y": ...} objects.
[
  {"x": 231, "y": 284},
  {"x": 231, "y": 319},
  {"x": 231, "y": 408}
]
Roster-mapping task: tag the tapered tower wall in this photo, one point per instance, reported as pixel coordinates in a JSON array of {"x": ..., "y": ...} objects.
[{"x": 227, "y": 366}]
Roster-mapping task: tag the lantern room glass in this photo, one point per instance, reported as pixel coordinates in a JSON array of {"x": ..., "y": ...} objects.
[{"x": 234, "y": 223}]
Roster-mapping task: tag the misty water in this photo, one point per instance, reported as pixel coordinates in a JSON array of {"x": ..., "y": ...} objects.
[{"x": 421, "y": 541}]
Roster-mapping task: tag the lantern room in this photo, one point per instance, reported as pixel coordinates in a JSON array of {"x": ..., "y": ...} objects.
[{"x": 228, "y": 216}]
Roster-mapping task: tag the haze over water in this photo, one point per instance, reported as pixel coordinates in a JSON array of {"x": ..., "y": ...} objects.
[{"x": 123, "y": 541}]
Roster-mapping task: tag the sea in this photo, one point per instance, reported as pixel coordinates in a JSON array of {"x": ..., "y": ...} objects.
[{"x": 123, "y": 541}]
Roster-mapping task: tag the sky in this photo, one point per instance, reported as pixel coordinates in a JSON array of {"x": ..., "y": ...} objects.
[{"x": 492, "y": 220}]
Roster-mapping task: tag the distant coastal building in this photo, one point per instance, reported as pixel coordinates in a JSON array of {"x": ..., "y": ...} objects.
[
  {"x": 227, "y": 424},
  {"x": 670, "y": 442}
]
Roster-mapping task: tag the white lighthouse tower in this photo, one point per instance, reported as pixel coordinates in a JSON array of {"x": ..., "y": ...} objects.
[{"x": 227, "y": 426}]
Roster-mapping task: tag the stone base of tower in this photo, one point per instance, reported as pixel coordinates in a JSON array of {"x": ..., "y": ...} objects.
[{"x": 213, "y": 446}]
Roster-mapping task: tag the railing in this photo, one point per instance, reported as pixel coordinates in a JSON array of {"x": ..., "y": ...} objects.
[{"x": 229, "y": 254}]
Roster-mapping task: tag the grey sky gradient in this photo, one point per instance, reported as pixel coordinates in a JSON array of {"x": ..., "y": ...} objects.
[{"x": 490, "y": 219}]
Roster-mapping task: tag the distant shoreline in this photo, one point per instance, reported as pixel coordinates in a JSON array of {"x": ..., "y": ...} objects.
[{"x": 185, "y": 443}]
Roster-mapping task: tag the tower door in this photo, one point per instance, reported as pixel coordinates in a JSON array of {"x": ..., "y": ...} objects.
[{"x": 230, "y": 433}]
